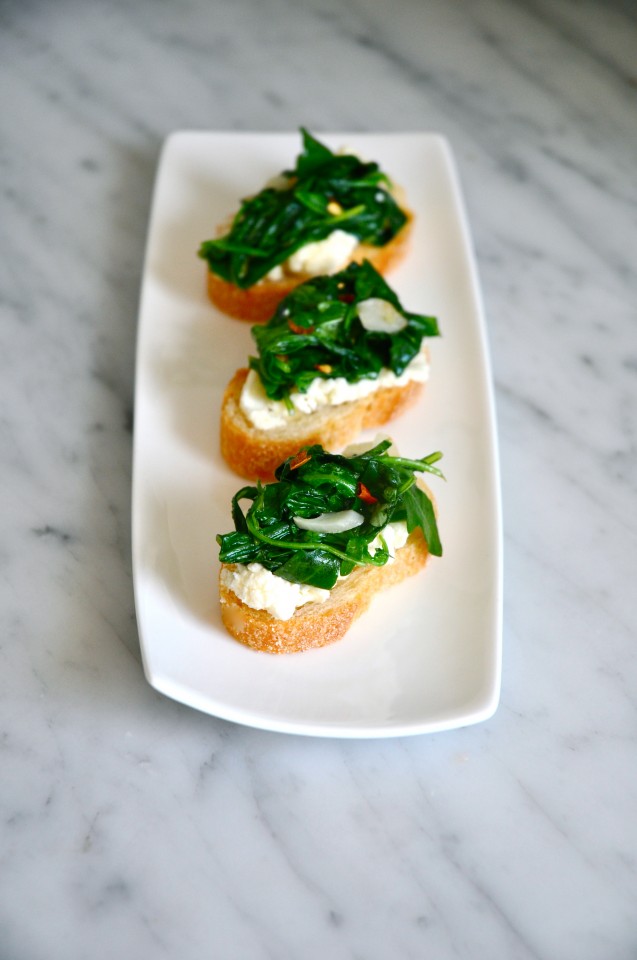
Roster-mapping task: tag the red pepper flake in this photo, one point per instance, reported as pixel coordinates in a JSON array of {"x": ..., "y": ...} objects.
[
  {"x": 299, "y": 459},
  {"x": 363, "y": 494},
  {"x": 323, "y": 367},
  {"x": 346, "y": 297},
  {"x": 294, "y": 327},
  {"x": 282, "y": 357}
]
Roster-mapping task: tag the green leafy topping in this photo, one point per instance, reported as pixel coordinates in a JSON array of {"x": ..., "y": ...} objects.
[
  {"x": 316, "y": 332},
  {"x": 324, "y": 192},
  {"x": 379, "y": 486}
]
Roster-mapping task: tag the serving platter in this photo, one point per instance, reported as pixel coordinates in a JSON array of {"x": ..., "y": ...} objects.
[{"x": 427, "y": 655}]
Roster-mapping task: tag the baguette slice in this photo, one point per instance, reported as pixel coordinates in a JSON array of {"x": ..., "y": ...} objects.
[
  {"x": 317, "y": 624},
  {"x": 256, "y": 304},
  {"x": 255, "y": 454}
]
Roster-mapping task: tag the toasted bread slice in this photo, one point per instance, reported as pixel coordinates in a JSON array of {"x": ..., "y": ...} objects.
[
  {"x": 317, "y": 624},
  {"x": 257, "y": 303},
  {"x": 255, "y": 454}
]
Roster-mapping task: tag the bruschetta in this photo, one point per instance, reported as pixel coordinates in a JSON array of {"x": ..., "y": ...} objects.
[{"x": 331, "y": 209}]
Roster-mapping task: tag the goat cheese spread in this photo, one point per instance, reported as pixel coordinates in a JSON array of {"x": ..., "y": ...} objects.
[
  {"x": 267, "y": 414},
  {"x": 395, "y": 536},
  {"x": 323, "y": 256},
  {"x": 262, "y": 590}
]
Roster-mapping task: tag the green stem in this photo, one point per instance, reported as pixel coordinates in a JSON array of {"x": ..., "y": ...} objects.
[
  {"x": 421, "y": 466},
  {"x": 295, "y": 545}
]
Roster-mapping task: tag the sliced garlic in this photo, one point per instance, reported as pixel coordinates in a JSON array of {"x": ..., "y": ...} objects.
[
  {"x": 338, "y": 522},
  {"x": 380, "y": 316}
]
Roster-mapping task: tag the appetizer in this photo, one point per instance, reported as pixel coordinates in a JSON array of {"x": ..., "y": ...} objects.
[
  {"x": 340, "y": 355},
  {"x": 315, "y": 546},
  {"x": 330, "y": 210}
]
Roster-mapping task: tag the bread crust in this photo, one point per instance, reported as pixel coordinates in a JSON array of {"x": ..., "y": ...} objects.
[
  {"x": 255, "y": 454},
  {"x": 318, "y": 624},
  {"x": 258, "y": 303}
]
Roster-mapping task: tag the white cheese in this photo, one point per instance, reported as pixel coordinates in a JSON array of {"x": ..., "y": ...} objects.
[
  {"x": 260, "y": 589},
  {"x": 266, "y": 414},
  {"x": 262, "y": 412},
  {"x": 395, "y": 536},
  {"x": 280, "y": 182},
  {"x": 345, "y": 151},
  {"x": 324, "y": 256}
]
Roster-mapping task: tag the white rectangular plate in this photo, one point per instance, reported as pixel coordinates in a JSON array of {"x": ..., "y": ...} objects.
[{"x": 426, "y": 656}]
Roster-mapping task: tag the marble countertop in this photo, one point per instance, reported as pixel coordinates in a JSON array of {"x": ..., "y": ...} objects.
[{"x": 132, "y": 826}]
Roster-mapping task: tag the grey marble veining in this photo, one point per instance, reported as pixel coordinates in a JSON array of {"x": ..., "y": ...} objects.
[{"x": 131, "y": 826}]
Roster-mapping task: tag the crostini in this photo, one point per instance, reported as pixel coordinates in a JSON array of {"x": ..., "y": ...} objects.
[
  {"x": 340, "y": 355},
  {"x": 314, "y": 547},
  {"x": 330, "y": 210}
]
